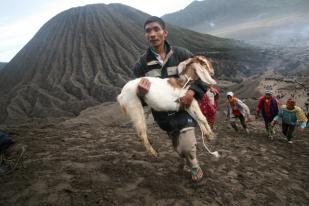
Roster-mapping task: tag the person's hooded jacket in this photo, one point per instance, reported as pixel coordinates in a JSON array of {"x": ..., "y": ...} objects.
[{"x": 291, "y": 117}]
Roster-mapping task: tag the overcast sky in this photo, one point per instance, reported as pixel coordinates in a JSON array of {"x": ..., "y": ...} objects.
[{"x": 21, "y": 19}]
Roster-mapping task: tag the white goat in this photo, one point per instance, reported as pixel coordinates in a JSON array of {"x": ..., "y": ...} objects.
[{"x": 164, "y": 94}]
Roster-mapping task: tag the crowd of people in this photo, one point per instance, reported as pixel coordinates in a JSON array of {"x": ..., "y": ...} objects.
[{"x": 269, "y": 108}]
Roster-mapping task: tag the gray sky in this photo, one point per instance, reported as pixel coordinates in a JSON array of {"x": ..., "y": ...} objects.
[{"x": 21, "y": 19}]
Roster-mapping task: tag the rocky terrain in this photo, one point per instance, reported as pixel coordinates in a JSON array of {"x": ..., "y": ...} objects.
[{"x": 57, "y": 101}]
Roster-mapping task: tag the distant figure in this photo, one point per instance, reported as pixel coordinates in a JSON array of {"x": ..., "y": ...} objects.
[
  {"x": 269, "y": 107},
  {"x": 290, "y": 114},
  {"x": 307, "y": 106},
  {"x": 236, "y": 109},
  {"x": 209, "y": 104},
  {"x": 308, "y": 119}
]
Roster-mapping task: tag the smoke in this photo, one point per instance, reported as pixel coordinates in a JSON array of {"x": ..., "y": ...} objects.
[
  {"x": 296, "y": 37},
  {"x": 212, "y": 24}
]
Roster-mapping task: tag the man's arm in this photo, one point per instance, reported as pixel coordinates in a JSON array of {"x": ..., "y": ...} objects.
[
  {"x": 258, "y": 108},
  {"x": 277, "y": 118},
  {"x": 143, "y": 87},
  {"x": 301, "y": 117},
  {"x": 138, "y": 69},
  {"x": 144, "y": 84}
]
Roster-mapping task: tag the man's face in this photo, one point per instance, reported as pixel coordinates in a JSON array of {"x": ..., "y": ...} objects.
[
  {"x": 268, "y": 96},
  {"x": 155, "y": 34},
  {"x": 290, "y": 106}
]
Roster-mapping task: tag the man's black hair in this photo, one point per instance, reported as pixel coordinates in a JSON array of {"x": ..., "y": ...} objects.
[{"x": 155, "y": 19}]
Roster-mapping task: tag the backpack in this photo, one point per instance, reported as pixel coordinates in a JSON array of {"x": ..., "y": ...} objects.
[{"x": 5, "y": 141}]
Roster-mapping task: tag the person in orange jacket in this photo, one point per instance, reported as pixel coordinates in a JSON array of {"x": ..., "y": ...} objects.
[{"x": 236, "y": 109}]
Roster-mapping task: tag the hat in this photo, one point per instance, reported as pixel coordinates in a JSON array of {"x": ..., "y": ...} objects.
[
  {"x": 230, "y": 94},
  {"x": 269, "y": 91}
]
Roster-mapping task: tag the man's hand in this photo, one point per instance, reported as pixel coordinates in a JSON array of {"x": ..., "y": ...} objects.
[
  {"x": 215, "y": 91},
  {"x": 273, "y": 123},
  {"x": 186, "y": 100},
  {"x": 249, "y": 119},
  {"x": 143, "y": 87}
]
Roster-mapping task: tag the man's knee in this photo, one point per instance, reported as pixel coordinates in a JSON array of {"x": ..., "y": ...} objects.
[{"x": 187, "y": 141}]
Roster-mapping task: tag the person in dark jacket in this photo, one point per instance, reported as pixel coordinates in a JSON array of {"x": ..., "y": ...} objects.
[
  {"x": 5, "y": 142},
  {"x": 307, "y": 119},
  {"x": 161, "y": 60},
  {"x": 269, "y": 107}
]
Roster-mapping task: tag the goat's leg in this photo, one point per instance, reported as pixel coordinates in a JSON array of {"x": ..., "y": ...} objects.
[
  {"x": 196, "y": 113},
  {"x": 135, "y": 111}
]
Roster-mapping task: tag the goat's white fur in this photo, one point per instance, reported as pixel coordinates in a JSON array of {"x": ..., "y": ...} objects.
[{"x": 162, "y": 96}]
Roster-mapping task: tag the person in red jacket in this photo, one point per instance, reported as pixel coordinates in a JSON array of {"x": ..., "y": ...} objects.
[
  {"x": 209, "y": 105},
  {"x": 268, "y": 105}
]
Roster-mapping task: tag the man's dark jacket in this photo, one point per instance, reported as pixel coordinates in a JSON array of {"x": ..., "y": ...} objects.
[{"x": 148, "y": 65}]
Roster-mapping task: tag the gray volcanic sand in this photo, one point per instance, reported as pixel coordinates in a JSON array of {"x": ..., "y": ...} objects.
[{"x": 96, "y": 159}]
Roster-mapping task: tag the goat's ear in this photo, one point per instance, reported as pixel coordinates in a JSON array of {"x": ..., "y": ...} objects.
[
  {"x": 204, "y": 75},
  {"x": 182, "y": 65}
]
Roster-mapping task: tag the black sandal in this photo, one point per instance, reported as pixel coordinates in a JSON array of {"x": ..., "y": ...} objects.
[{"x": 197, "y": 174}]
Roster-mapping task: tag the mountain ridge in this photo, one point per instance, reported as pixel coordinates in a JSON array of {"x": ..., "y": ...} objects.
[{"x": 247, "y": 18}]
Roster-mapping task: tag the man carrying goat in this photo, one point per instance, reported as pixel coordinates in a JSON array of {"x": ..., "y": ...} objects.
[{"x": 161, "y": 60}]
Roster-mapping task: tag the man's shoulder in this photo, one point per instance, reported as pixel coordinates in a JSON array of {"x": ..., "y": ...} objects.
[
  {"x": 143, "y": 55},
  {"x": 142, "y": 59},
  {"x": 138, "y": 67},
  {"x": 298, "y": 109},
  {"x": 181, "y": 53},
  {"x": 180, "y": 49},
  {"x": 261, "y": 98}
]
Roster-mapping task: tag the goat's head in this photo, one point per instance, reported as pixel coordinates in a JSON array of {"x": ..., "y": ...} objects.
[{"x": 198, "y": 67}]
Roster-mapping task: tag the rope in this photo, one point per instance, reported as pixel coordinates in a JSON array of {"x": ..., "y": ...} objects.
[
  {"x": 188, "y": 80},
  {"x": 215, "y": 153}
]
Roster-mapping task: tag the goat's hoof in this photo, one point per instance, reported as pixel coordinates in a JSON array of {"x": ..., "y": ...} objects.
[
  {"x": 211, "y": 136},
  {"x": 153, "y": 153}
]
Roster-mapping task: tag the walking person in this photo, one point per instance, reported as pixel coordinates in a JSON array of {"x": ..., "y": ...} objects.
[
  {"x": 307, "y": 119},
  {"x": 236, "y": 109},
  {"x": 268, "y": 106},
  {"x": 289, "y": 115},
  {"x": 161, "y": 60}
]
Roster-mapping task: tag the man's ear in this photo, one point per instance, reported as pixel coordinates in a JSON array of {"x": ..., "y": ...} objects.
[
  {"x": 165, "y": 33},
  {"x": 182, "y": 65}
]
